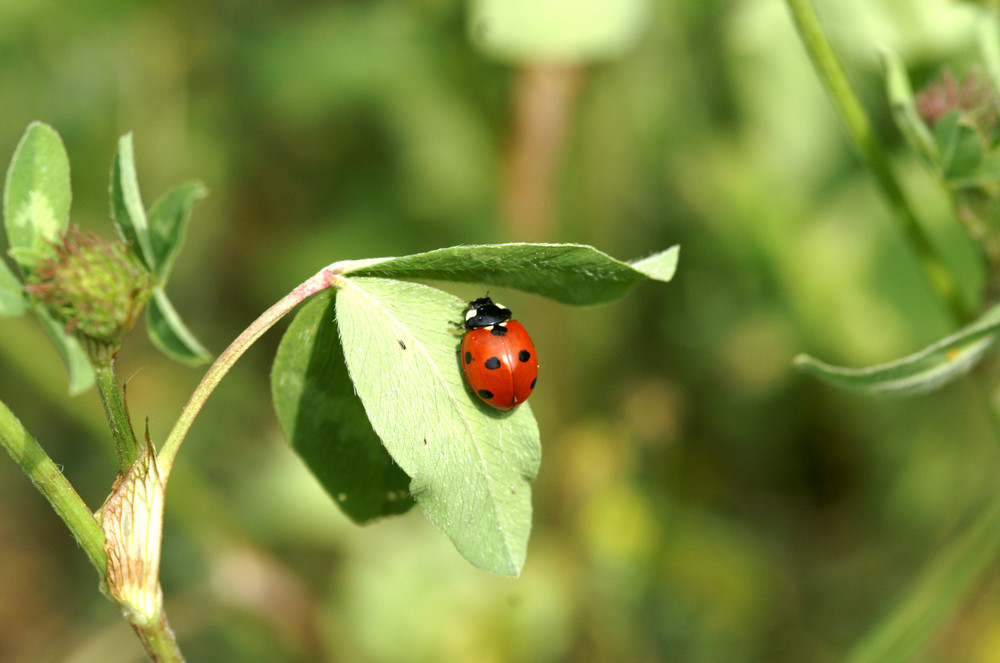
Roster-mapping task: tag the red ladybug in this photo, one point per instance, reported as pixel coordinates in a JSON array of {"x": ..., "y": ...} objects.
[{"x": 497, "y": 355}]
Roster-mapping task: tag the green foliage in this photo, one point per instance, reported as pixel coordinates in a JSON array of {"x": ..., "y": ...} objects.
[
  {"x": 168, "y": 219},
  {"x": 156, "y": 239},
  {"x": 959, "y": 147},
  {"x": 12, "y": 300},
  {"x": 36, "y": 202},
  {"x": 932, "y": 367},
  {"x": 37, "y": 194},
  {"x": 469, "y": 465},
  {"x": 904, "y": 109},
  {"x": 81, "y": 373},
  {"x": 570, "y": 273},
  {"x": 325, "y": 421}
]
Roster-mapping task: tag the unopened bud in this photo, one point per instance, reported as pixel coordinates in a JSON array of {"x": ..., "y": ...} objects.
[
  {"x": 975, "y": 98},
  {"x": 97, "y": 288}
]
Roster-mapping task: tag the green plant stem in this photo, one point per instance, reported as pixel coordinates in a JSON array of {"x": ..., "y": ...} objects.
[
  {"x": 159, "y": 640},
  {"x": 117, "y": 414},
  {"x": 859, "y": 127},
  {"x": 55, "y": 487},
  {"x": 225, "y": 361}
]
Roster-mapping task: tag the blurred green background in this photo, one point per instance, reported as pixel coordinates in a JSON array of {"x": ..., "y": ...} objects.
[{"x": 697, "y": 501}]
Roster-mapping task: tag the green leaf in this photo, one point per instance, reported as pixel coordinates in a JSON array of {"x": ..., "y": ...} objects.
[
  {"x": 904, "y": 110},
  {"x": 937, "y": 593},
  {"x": 470, "y": 465},
  {"x": 126, "y": 203},
  {"x": 577, "y": 31},
  {"x": 169, "y": 334},
  {"x": 570, "y": 273},
  {"x": 168, "y": 219},
  {"x": 12, "y": 300},
  {"x": 325, "y": 422},
  {"x": 81, "y": 373},
  {"x": 37, "y": 194},
  {"x": 932, "y": 367},
  {"x": 959, "y": 147}
]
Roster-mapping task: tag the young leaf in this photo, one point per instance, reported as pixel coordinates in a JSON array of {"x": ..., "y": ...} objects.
[
  {"x": 81, "y": 373},
  {"x": 12, "y": 300},
  {"x": 959, "y": 146},
  {"x": 36, "y": 196},
  {"x": 570, "y": 273},
  {"x": 126, "y": 203},
  {"x": 470, "y": 465},
  {"x": 169, "y": 334},
  {"x": 932, "y": 367},
  {"x": 168, "y": 218},
  {"x": 325, "y": 422},
  {"x": 904, "y": 109}
]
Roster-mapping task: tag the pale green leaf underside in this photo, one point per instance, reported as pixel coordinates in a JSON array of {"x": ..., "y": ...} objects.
[
  {"x": 932, "y": 367},
  {"x": 81, "y": 374},
  {"x": 126, "y": 203},
  {"x": 470, "y": 465},
  {"x": 12, "y": 299},
  {"x": 325, "y": 422},
  {"x": 36, "y": 198},
  {"x": 168, "y": 219},
  {"x": 169, "y": 333},
  {"x": 570, "y": 273},
  {"x": 904, "y": 108}
]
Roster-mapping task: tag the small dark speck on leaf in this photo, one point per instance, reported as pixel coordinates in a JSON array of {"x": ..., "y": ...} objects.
[{"x": 401, "y": 344}]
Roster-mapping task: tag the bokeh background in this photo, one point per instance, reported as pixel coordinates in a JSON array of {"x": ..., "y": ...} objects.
[{"x": 698, "y": 501}]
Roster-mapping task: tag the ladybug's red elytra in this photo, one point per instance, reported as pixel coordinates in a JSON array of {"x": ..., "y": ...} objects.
[{"x": 497, "y": 355}]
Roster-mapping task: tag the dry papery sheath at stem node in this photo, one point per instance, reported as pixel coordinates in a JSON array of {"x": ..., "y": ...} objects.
[{"x": 97, "y": 288}]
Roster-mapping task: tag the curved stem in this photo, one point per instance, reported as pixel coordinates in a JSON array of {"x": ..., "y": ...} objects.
[
  {"x": 225, "y": 361},
  {"x": 859, "y": 127},
  {"x": 55, "y": 487}
]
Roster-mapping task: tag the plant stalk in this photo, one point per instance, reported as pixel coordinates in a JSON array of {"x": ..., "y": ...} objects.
[
  {"x": 159, "y": 641},
  {"x": 55, "y": 487},
  {"x": 225, "y": 361},
  {"x": 831, "y": 72},
  {"x": 117, "y": 414}
]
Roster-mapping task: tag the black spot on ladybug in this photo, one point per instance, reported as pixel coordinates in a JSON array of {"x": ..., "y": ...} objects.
[
  {"x": 523, "y": 355},
  {"x": 402, "y": 345},
  {"x": 485, "y": 394},
  {"x": 468, "y": 357},
  {"x": 498, "y": 330},
  {"x": 492, "y": 363},
  {"x": 532, "y": 385}
]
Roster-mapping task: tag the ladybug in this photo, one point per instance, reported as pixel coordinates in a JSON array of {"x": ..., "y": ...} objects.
[{"x": 497, "y": 355}]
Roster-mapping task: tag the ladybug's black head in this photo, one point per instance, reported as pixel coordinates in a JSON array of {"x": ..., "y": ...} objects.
[{"x": 483, "y": 312}]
